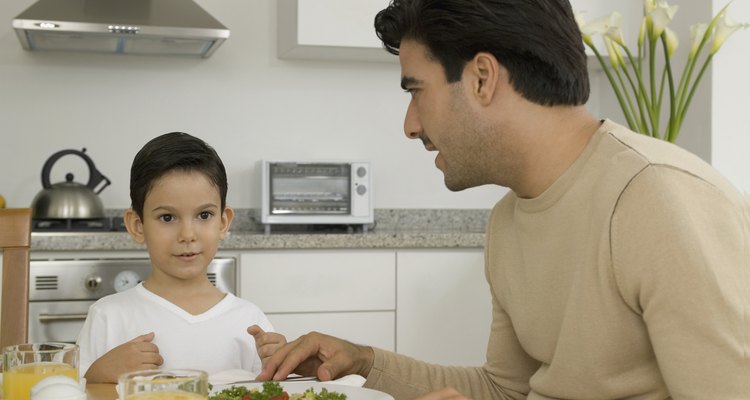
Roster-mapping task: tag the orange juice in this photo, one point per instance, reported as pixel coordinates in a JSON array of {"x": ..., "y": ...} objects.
[
  {"x": 18, "y": 381},
  {"x": 171, "y": 395}
]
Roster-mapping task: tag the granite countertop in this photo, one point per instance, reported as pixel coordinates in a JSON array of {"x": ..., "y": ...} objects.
[{"x": 393, "y": 228}]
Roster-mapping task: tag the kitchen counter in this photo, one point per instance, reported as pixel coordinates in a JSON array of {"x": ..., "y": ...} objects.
[{"x": 394, "y": 228}]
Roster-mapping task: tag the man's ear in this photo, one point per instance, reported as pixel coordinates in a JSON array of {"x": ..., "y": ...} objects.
[
  {"x": 484, "y": 73},
  {"x": 226, "y": 221},
  {"x": 134, "y": 225}
]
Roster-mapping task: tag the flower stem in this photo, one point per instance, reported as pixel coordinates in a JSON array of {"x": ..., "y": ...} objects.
[{"x": 615, "y": 86}]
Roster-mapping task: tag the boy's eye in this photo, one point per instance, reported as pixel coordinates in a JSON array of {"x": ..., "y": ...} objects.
[
  {"x": 205, "y": 215},
  {"x": 166, "y": 218}
]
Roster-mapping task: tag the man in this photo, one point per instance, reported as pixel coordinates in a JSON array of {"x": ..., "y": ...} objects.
[{"x": 618, "y": 264}]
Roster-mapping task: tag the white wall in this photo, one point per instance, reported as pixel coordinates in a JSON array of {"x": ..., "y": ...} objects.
[
  {"x": 243, "y": 100},
  {"x": 251, "y": 105},
  {"x": 730, "y": 106}
]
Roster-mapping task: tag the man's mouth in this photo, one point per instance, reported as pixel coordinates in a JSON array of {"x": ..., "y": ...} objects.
[{"x": 427, "y": 143}]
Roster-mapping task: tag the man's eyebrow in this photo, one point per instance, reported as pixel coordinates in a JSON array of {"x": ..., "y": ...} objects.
[{"x": 407, "y": 81}]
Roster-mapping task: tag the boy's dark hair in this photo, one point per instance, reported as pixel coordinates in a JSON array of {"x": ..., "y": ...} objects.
[
  {"x": 174, "y": 151},
  {"x": 537, "y": 41}
]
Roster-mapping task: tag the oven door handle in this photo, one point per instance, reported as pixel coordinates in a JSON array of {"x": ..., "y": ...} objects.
[{"x": 61, "y": 317}]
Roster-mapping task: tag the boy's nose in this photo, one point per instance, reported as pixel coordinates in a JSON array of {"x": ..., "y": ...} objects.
[{"x": 187, "y": 233}]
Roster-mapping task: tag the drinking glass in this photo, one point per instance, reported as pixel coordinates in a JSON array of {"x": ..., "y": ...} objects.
[
  {"x": 26, "y": 364},
  {"x": 157, "y": 384}
]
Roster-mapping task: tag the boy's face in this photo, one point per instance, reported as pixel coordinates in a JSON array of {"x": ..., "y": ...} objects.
[{"x": 181, "y": 226}]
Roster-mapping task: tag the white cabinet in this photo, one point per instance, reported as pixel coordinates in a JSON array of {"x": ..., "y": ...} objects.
[
  {"x": 330, "y": 29},
  {"x": 433, "y": 305},
  {"x": 345, "y": 293},
  {"x": 444, "y": 306}
]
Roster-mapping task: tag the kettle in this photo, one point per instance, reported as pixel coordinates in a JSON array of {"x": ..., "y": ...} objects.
[{"x": 69, "y": 199}]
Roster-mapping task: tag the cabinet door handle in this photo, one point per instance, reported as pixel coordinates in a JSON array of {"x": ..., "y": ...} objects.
[{"x": 61, "y": 317}]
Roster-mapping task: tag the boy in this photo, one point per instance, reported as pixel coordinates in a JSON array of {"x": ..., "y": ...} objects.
[{"x": 176, "y": 318}]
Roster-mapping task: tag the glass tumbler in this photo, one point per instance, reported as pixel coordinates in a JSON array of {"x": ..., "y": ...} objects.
[
  {"x": 26, "y": 364},
  {"x": 157, "y": 384}
]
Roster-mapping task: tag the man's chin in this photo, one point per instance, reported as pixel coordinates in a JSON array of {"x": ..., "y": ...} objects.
[{"x": 454, "y": 186}]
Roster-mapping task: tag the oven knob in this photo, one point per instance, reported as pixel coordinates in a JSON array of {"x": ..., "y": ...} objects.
[
  {"x": 92, "y": 282},
  {"x": 361, "y": 189},
  {"x": 361, "y": 172}
]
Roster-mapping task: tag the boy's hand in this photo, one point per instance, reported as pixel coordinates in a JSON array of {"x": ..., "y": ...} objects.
[
  {"x": 266, "y": 343},
  {"x": 134, "y": 355}
]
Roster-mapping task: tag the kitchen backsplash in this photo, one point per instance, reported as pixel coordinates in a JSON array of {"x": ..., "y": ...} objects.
[{"x": 463, "y": 220}]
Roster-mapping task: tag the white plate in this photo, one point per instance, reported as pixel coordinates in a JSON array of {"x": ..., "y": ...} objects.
[{"x": 351, "y": 392}]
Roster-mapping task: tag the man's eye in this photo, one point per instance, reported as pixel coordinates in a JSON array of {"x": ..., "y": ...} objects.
[
  {"x": 166, "y": 218},
  {"x": 205, "y": 215}
]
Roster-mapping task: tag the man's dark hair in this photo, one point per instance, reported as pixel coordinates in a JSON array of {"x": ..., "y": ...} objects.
[
  {"x": 174, "y": 151},
  {"x": 537, "y": 41}
]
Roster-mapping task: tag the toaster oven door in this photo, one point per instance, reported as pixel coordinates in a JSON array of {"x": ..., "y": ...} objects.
[{"x": 310, "y": 189}]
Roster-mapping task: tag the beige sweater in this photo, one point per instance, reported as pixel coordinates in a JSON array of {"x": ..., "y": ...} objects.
[{"x": 628, "y": 278}]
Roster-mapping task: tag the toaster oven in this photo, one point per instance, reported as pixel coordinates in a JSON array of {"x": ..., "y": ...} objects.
[{"x": 316, "y": 192}]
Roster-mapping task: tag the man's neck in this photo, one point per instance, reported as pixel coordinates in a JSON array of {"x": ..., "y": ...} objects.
[{"x": 554, "y": 143}]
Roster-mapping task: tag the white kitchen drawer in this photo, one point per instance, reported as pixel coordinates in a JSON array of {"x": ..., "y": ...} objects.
[
  {"x": 376, "y": 329},
  {"x": 319, "y": 280}
]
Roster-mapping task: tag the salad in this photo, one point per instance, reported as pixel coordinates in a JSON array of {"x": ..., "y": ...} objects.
[{"x": 274, "y": 391}]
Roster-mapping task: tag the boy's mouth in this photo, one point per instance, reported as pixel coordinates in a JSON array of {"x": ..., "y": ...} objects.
[{"x": 187, "y": 255}]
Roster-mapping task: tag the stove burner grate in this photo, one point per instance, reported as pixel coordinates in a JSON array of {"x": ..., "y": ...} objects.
[{"x": 112, "y": 224}]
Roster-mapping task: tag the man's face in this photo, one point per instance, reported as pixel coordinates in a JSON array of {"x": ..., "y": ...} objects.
[{"x": 441, "y": 114}]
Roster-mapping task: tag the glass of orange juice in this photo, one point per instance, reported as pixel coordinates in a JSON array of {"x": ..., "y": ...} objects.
[
  {"x": 26, "y": 364},
  {"x": 157, "y": 384}
]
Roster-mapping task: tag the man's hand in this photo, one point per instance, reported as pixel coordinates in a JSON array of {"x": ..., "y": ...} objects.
[
  {"x": 134, "y": 355},
  {"x": 316, "y": 354},
  {"x": 266, "y": 343},
  {"x": 443, "y": 394}
]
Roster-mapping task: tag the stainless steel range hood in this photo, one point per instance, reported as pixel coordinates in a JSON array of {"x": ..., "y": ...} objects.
[{"x": 153, "y": 27}]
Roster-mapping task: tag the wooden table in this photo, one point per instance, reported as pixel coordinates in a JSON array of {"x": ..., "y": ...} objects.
[{"x": 101, "y": 391}]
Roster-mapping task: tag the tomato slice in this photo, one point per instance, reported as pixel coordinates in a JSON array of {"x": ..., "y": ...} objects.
[{"x": 282, "y": 396}]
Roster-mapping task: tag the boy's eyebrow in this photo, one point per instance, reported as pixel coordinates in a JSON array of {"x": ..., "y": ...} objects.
[
  {"x": 407, "y": 81},
  {"x": 170, "y": 208}
]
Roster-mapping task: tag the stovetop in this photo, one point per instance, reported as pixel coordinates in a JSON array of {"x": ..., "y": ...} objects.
[{"x": 107, "y": 224}]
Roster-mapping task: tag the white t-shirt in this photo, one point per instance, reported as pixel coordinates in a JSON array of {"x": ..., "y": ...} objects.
[{"x": 214, "y": 341}]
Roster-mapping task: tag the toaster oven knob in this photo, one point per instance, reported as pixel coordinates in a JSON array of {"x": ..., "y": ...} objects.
[
  {"x": 92, "y": 282},
  {"x": 361, "y": 189},
  {"x": 361, "y": 172}
]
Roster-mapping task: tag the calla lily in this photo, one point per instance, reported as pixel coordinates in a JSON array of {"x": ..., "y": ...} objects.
[
  {"x": 640, "y": 88},
  {"x": 672, "y": 41},
  {"x": 697, "y": 32},
  {"x": 581, "y": 21},
  {"x": 724, "y": 28},
  {"x": 615, "y": 57},
  {"x": 601, "y": 24},
  {"x": 642, "y": 31},
  {"x": 659, "y": 17},
  {"x": 614, "y": 31},
  {"x": 648, "y": 6}
]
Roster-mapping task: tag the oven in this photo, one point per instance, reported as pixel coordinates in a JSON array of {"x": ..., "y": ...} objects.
[{"x": 61, "y": 291}]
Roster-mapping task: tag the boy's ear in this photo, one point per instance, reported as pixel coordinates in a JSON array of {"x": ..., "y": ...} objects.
[
  {"x": 226, "y": 221},
  {"x": 134, "y": 225}
]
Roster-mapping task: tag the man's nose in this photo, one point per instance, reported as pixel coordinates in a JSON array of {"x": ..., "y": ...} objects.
[{"x": 412, "y": 127}]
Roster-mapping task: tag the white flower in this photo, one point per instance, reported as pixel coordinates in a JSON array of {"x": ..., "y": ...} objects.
[
  {"x": 697, "y": 31},
  {"x": 615, "y": 56},
  {"x": 608, "y": 26},
  {"x": 659, "y": 16},
  {"x": 581, "y": 21},
  {"x": 724, "y": 28},
  {"x": 672, "y": 41}
]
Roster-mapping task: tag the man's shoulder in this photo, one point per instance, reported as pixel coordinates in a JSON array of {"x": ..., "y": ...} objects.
[
  {"x": 657, "y": 154},
  {"x": 651, "y": 150}
]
